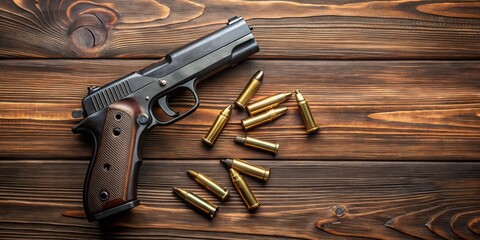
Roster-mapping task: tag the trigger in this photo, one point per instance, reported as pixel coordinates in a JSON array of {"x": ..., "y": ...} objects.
[{"x": 162, "y": 102}]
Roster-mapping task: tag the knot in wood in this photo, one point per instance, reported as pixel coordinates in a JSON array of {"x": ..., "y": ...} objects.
[
  {"x": 339, "y": 210},
  {"x": 87, "y": 32}
]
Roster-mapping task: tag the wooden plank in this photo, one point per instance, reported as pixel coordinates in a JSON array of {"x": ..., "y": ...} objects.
[
  {"x": 302, "y": 199},
  {"x": 374, "y": 110},
  {"x": 329, "y": 30}
]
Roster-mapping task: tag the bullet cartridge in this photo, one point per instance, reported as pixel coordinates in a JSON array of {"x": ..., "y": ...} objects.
[
  {"x": 218, "y": 125},
  {"x": 262, "y": 118},
  {"x": 210, "y": 185},
  {"x": 267, "y": 103},
  {"x": 202, "y": 205},
  {"x": 250, "y": 89},
  {"x": 305, "y": 112},
  {"x": 244, "y": 190},
  {"x": 247, "y": 168},
  {"x": 257, "y": 143}
]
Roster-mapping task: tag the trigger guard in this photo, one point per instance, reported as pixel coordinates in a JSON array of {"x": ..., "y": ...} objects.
[
  {"x": 162, "y": 102},
  {"x": 191, "y": 86}
]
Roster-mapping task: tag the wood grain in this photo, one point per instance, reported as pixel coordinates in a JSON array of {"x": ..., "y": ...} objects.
[
  {"x": 474, "y": 225},
  {"x": 349, "y": 199},
  {"x": 438, "y": 221},
  {"x": 459, "y": 223},
  {"x": 329, "y": 30},
  {"x": 394, "y": 86},
  {"x": 374, "y": 110}
]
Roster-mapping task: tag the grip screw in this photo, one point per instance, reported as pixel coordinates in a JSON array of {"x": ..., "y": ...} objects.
[
  {"x": 103, "y": 196},
  {"x": 143, "y": 118},
  {"x": 163, "y": 82}
]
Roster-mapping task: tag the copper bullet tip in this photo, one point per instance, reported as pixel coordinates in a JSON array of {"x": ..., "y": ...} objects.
[
  {"x": 180, "y": 192},
  {"x": 281, "y": 111},
  {"x": 228, "y": 109},
  {"x": 258, "y": 75},
  {"x": 233, "y": 173},
  {"x": 192, "y": 174}
]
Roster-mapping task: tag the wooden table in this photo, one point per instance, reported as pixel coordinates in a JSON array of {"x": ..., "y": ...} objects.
[{"x": 393, "y": 85}]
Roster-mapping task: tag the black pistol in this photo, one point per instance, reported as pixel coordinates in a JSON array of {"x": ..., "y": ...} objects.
[{"x": 119, "y": 114}]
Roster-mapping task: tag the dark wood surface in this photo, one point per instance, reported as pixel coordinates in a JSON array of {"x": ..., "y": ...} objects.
[
  {"x": 393, "y": 85},
  {"x": 320, "y": 29}
]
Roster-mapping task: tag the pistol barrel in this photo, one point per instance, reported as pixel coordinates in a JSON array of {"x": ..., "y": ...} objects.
[{"x": 236, "y": 29}]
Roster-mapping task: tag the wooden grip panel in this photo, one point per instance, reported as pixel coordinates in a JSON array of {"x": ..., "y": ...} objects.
[{"x": 108, "y": 183}]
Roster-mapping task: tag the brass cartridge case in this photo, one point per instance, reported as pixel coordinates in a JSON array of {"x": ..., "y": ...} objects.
[
  {"x": 305, "y": 112},
  {"x": 267, "y": 103},
  {"x": 210, "y": 185},
  {"x": 262, "y": 118},
  {"x": 247, "y": 168},
  {"x": 244, "y": 190},
  {"x": 202, "y": 205},
  {"x": 218, "y": 125},
  {"x": 250, "y": 89},
  {"x": 257, "y": 143}
]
